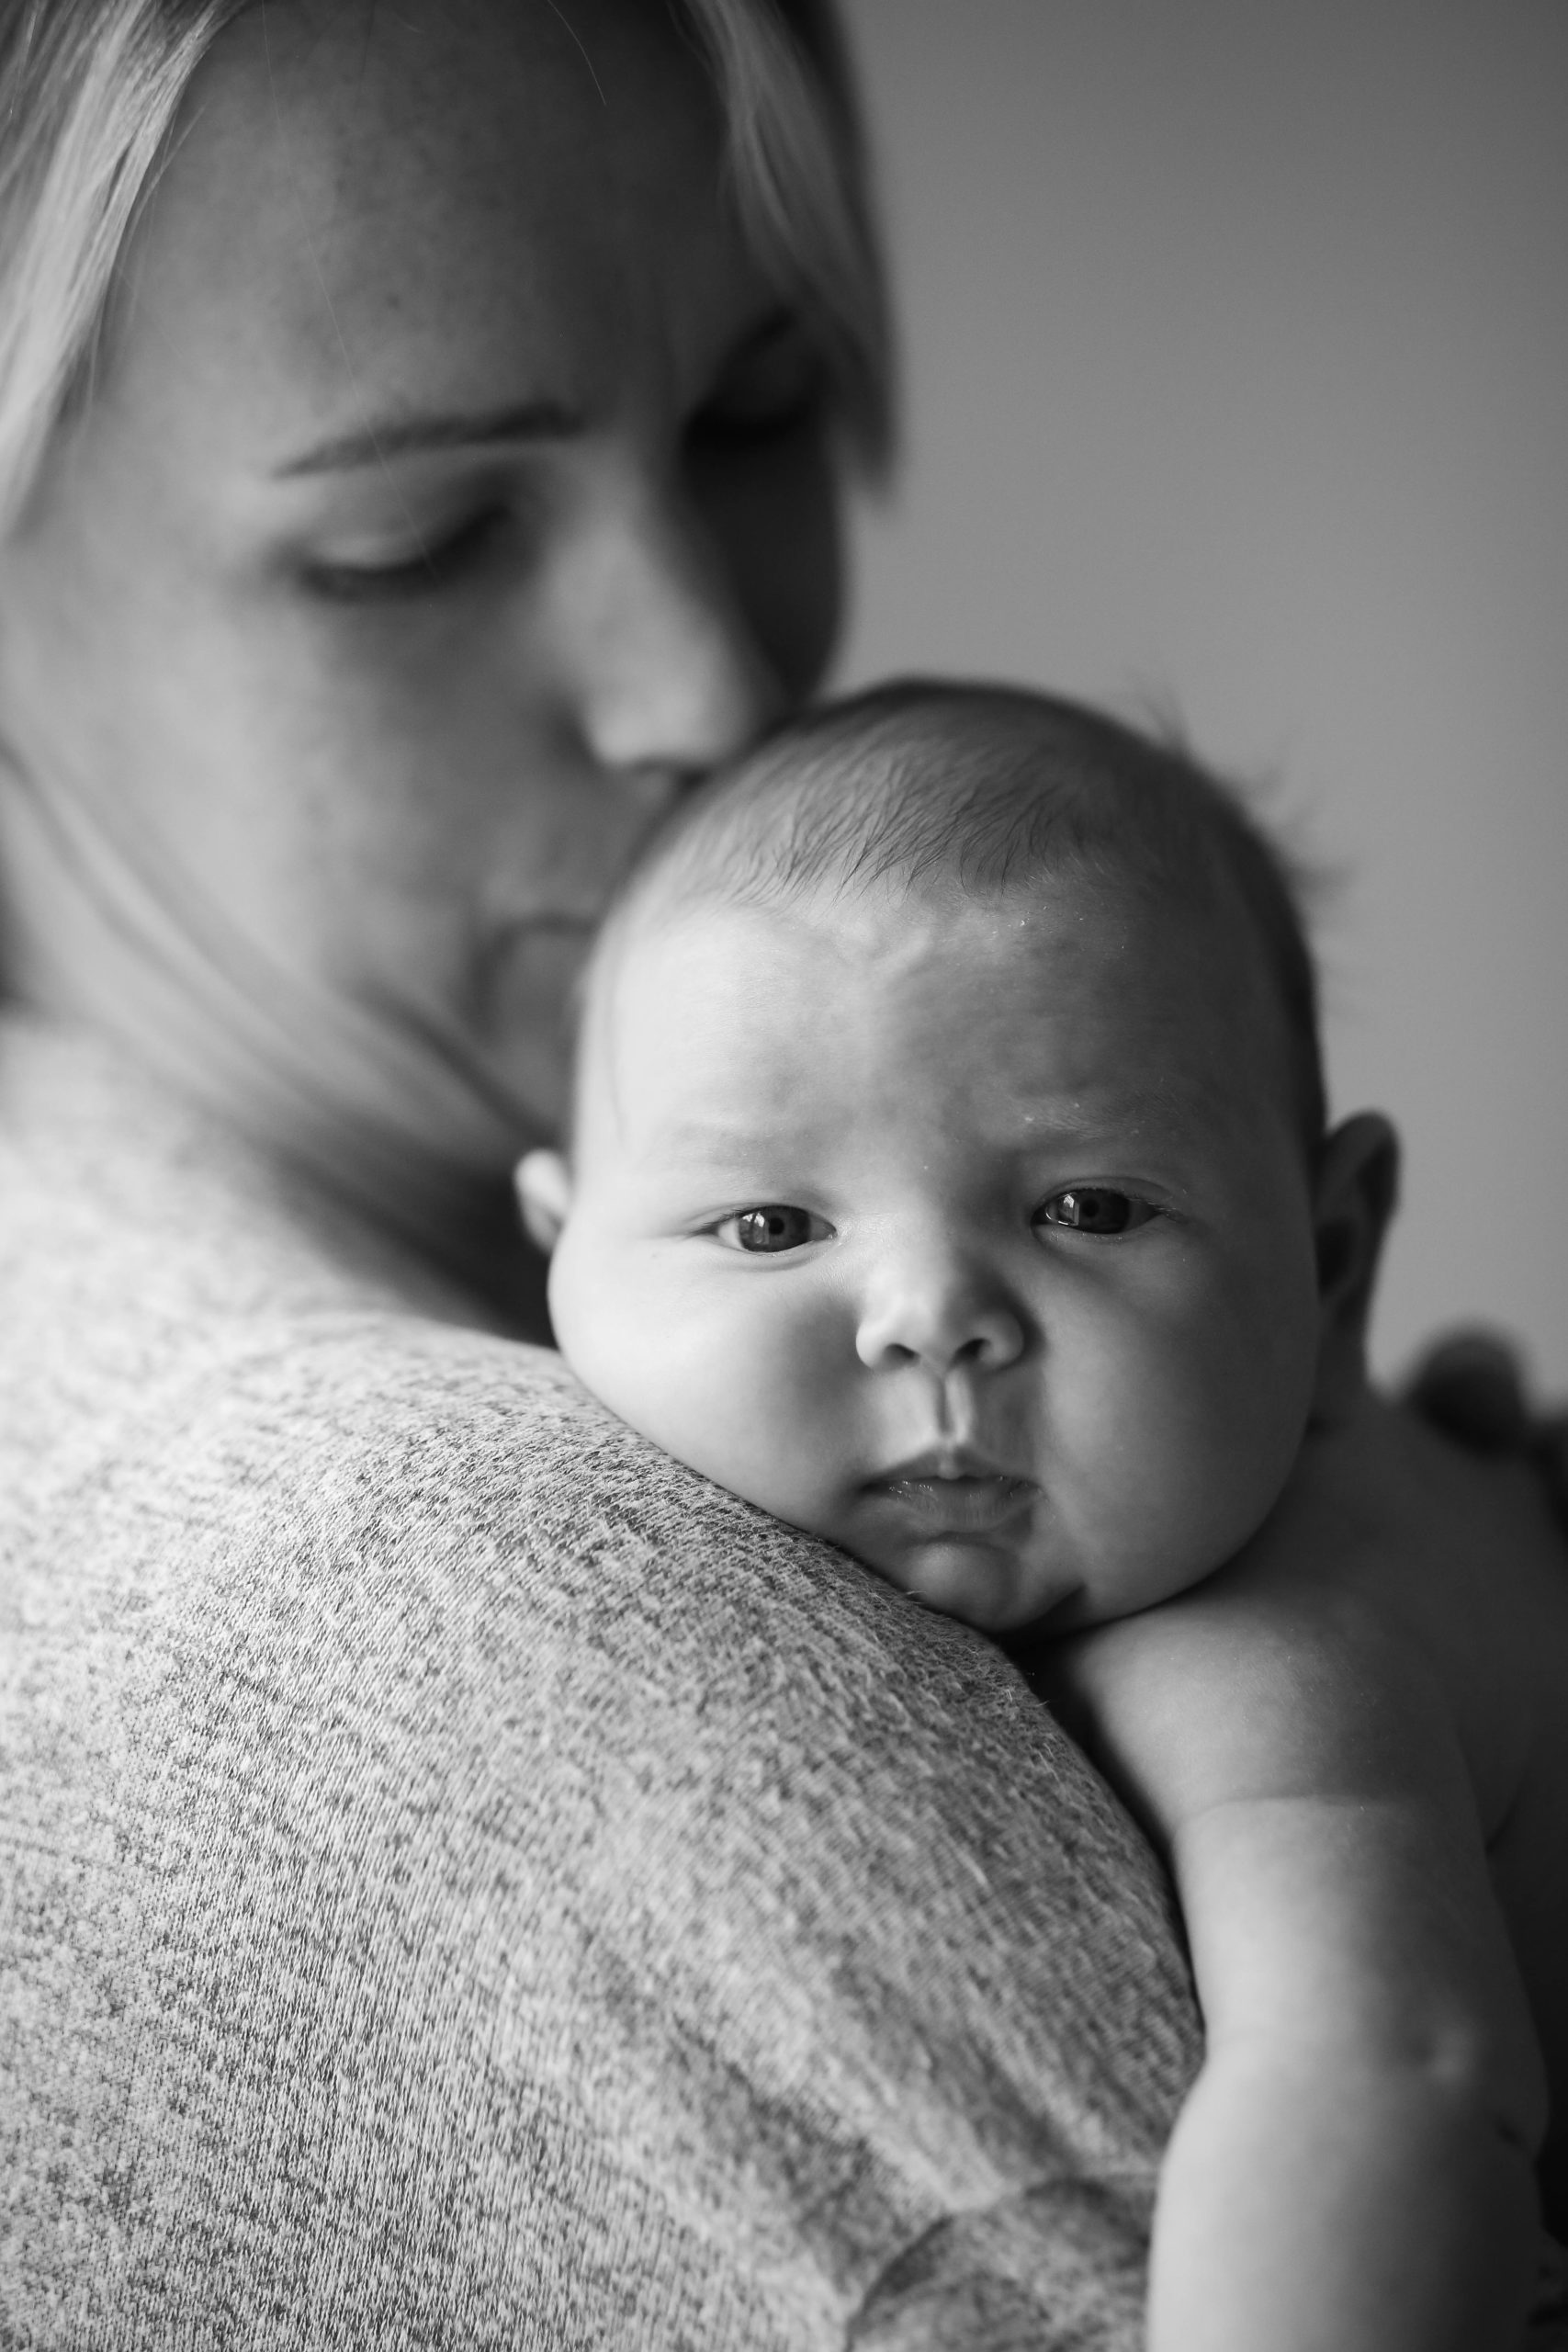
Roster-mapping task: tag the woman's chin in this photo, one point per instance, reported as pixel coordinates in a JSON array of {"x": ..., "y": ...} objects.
[{"x": 527, "y": 997}]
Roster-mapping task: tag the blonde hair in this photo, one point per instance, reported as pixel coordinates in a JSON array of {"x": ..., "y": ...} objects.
[
  {"x": 798, "y": 164},
  {"x": 89, "y": 93}
]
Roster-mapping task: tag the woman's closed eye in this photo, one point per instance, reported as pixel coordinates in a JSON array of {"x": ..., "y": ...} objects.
[
  {"x": 775, "y": 387},
  {"x": 414, "y": 566},
  {"x": 1101, "y": 1209},
  {"x": 771, "y": 1229}
]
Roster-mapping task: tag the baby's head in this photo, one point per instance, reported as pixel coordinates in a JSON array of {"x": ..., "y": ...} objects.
[{"x": 949, "y": 1173}]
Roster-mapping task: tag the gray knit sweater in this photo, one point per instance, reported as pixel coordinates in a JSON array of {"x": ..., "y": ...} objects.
[{"x": 466, "y": 1882}]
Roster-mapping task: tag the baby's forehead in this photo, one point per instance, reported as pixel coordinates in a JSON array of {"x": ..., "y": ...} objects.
[
  {"x": 995, "y": 807},
  {"x": 1197, "y": 920},
  {"x": 1133, "y": 976}
]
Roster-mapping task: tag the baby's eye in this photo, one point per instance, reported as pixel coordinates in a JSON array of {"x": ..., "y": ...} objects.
[
  {"x": 1095, "y": 1208},
  {"x": 771, "y": 1230}
]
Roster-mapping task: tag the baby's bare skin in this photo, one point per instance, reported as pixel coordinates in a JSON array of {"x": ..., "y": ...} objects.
[
  {"x": 977, "y": 1231},
  {"x": 1302, "y": 1830},
  {"x": 1494, "y": 1623}
]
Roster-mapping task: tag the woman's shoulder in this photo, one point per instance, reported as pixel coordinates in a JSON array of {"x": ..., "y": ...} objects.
[
  {"x": 421, "y": 1782},
  {"x": 427, "y": 1784},
  {"x": 121, "y": 1197},
  {"x": 188, "y": 1342}
]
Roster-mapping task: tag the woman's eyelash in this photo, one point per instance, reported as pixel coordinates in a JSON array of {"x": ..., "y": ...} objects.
[
  {"x": 725, "y": 426},
  {"x": 430, "y": 566}
]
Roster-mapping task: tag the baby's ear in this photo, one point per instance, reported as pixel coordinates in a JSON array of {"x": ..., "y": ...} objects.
[
  {"x": 544, "y": 1196},
  {"x": 1355, "y": 1196}
]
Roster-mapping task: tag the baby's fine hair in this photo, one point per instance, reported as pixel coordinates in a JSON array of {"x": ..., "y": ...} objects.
[{"x": 924, "y": 783}]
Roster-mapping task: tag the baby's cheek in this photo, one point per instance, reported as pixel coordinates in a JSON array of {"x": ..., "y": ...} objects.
[
  {"x": 725, "y": 1370},
  {"x": 758, "y": 1400},
  {"x": 604, "y": 1305},
  {"x": 1180, "y": 1429},
  {"x": 1249, "y": 1403}
]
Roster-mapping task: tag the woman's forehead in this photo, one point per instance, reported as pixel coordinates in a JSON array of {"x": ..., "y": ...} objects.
[
  {"x": 450, "y": 187},
  {"x": 460, "y": 93}
]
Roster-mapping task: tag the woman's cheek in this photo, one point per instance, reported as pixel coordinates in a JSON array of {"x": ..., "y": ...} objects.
[{"x": 779, "y": 528}]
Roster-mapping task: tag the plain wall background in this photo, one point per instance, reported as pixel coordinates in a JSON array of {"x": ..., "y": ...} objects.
[{"x": 1236, "y": 339}]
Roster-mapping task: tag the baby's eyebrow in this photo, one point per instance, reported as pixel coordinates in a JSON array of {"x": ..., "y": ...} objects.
[
  {"x": 1176, "y": 1098},
  {"x": 714, "y": 1136}
]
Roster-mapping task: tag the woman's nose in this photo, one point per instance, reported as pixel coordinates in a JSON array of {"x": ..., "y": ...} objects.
[
  {"x": 668, "y": 677},
  {"x": 941, "y": 1315}
]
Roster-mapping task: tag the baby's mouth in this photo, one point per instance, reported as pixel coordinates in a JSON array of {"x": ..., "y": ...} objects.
[{"x": 957, "y": 1492}]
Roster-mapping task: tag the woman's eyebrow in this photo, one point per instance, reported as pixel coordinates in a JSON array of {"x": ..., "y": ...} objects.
[{"x": 376, "y": 440}]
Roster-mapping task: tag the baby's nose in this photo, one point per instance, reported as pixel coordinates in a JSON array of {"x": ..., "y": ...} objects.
[{"x": 944, "y": 1317}]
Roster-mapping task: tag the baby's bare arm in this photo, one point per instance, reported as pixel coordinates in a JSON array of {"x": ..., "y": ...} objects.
[{"x": 1352, "y": 2172}]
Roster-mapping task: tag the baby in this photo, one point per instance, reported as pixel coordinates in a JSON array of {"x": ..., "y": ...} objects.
[{"x": 950, "y": 1176}]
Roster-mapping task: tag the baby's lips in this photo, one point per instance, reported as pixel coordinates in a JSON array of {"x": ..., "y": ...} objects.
[
  {"x": 961, "y": 1502},
  {"x": 945, "y": 1462}
]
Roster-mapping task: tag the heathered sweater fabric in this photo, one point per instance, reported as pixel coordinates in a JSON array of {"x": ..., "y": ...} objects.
[{"x": 470, "y": 1883}]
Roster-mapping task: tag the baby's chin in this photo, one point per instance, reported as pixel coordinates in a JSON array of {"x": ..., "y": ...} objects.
[{"x": 985, "y": 1584}]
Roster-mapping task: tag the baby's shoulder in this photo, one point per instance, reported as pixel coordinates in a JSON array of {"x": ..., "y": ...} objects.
[
  {"x": 1389, "y": 1615},
  {"x": 1473, "y": 1582},
  {"x": 1261, "y": 1678}
]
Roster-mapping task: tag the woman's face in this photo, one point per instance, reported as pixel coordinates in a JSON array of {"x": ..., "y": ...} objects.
[{"x": 453, "y": 489}]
